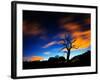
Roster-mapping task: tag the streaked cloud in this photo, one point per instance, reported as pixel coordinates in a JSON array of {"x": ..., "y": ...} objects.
[
  {"x": 50, "y": 44},
  {"x": 33, "y": 58},
  {"x": 36, "y": 58},
  {"x": 46, "y": 53}
]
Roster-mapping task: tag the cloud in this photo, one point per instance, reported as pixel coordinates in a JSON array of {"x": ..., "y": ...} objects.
[
  {"x": 76, "y": 23},
  {"x": 32, "y": 28},
  {"x": 33, "y": 58},
  {"x": 79, "y": 28},
  {"x": 50, "y": 44},
  {"x": 72, "y": 27},
  {"x": 46, "y": 53},
  {"x": 36, "y": 58},
  {"x": 82, "y": 34},
  {"x": 83, "y": 39}
]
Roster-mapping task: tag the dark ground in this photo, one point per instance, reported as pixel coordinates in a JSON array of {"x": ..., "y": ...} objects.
[{"x": 77, "y": 61}]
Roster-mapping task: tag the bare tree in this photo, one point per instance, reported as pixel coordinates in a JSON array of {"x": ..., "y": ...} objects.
[{"x": 68, "y": 44}]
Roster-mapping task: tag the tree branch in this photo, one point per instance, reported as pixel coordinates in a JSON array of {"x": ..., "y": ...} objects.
[
  {"x": 62, "y": 48},
  {"x": 75, "y": 47},
  {"x": 73, "y": 40}
]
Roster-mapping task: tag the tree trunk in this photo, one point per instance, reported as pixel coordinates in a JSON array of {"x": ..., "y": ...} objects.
[{"x": 68, "y": 55}]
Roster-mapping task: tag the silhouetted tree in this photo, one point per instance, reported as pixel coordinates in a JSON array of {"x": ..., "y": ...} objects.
[{"x": 68, "y": 44}]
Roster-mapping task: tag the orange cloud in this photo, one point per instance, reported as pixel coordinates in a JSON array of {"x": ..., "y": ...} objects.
[
  {"x": 74, "y": 23},
  {"x": 71, "y": 27},
  {"x": 79, "y": 31},
  {"x": 82, "y": 34},
  {"x": 36, "y": 58},
  {"x": 83, "y": 39}
]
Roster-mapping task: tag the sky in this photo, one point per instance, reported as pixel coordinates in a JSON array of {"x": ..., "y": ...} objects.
[{"x": 43, "y": 33}]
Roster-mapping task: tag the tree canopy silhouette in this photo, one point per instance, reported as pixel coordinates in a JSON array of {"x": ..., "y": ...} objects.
[
  {"x": 61, "y": 58},
  {"x": 56, "y": 59}
]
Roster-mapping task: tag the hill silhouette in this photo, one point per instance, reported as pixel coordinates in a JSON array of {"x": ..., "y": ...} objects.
[
  {"x": 54, "y": 62},
  {"x": 84, "y": 59}
]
